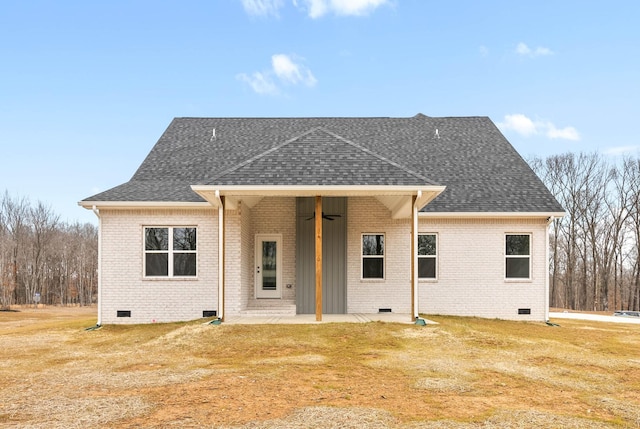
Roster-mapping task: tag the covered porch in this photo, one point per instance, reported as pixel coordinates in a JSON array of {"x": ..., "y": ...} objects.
[{"x": 400, "y": 203}]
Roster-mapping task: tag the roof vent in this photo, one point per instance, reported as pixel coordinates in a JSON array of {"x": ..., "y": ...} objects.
[
  {"x": 213, "y": 135},
  {"x": 436, "y": 135}
]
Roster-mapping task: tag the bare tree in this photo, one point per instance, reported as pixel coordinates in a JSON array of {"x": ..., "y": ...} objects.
[
  {"x": 15, "y": 211},
  {"x": 594, "y": 249},
  {"x": 40, "y": 255}
]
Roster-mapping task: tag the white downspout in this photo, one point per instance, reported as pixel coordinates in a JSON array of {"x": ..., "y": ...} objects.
[
  {"x": 97, "y": 213},
  {"x": 546, "y": 277},
  {"x": 414, "y": 219},
  {"x": 220, "y": 256}
]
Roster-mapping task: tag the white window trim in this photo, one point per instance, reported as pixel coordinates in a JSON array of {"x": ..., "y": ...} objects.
[
  {"x": 530, "y": 256},
  {"x": 170, "y": 252},
  {"x": 383, "y": 256},
  {"x": 436, "y": 257}
]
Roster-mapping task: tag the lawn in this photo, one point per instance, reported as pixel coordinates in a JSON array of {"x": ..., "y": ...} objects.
[{"x": 461, "y": 373}]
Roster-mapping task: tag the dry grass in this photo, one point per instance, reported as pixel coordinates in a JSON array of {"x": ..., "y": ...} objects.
[{"x": 463, "y": 373}]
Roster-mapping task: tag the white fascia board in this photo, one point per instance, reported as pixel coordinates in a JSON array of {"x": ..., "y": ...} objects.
[
  {"x": 323, "y": 190},
  {"x": 143, "y": 204},
  {"x": 491, "y": 214}
]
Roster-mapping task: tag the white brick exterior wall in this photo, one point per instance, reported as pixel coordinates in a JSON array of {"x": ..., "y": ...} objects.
[
  {"x": 471, "y": 269},
  {"x": 470, "y": 264},
  {"x": 276, "y": 215},
  {"x": 234, "y": 262},
  {"x": 368, "y": 215},
  {"x": 123, "y": 286}
]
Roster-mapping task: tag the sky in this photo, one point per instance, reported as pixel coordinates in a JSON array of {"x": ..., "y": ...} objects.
[{"x": 88, "y": 87}]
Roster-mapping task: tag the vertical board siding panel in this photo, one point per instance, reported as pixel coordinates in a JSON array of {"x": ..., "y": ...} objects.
[{"x": 333, "y": 252}]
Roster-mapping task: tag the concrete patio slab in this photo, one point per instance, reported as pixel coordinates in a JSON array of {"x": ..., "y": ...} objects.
[{"x": 326, "y": 318}]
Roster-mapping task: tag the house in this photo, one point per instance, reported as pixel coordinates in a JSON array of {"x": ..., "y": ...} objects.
[{"x": 243, "y": 216}]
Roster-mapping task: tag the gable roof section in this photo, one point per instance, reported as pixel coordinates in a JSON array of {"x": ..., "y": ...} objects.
[
  {"x": 319, "y": 157},
  {"x": 482, "y": 172}
]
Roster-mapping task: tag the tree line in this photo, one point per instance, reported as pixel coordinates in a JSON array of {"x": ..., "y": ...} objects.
[
  {"x": 595, "y": 247},
  {"x": 44, "y": 260}
]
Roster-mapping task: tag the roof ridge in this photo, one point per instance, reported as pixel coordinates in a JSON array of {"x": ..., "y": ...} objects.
[
  {"x": 380, "y": 157},
  {"x": 261, "y": 155}
]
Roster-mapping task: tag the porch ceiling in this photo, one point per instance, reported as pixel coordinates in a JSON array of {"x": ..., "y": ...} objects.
[{"x": 396, "y": 198}]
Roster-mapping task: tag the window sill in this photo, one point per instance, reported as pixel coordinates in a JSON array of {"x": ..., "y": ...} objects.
[
  {"x": 518, "y": 280},
  {"x": 164, "y": 279}
]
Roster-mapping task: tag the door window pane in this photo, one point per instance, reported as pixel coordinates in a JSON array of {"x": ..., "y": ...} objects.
[{"x": 269, "y": 265}]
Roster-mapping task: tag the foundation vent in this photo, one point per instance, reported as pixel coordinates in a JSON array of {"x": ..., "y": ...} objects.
[
  {"x": 123, "y": 313},
  {"x": 524, "y": 311},
  {"x": 384, "y": 310},
  {"x": 209, "y": 313}
]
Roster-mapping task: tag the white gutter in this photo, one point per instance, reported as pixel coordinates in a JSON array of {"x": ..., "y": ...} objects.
[
  {"x": 546, "y": 277},
  {"x": 97, "y": 213},
  {"x": 144, "y": 204},
  {"x": 491, "y": 214},
  {"x": 414, "y": 229},
  {"x": 220, "y": 256}
]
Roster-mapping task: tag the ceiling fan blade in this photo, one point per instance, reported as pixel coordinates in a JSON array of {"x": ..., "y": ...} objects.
[
  {"x": 325, "y": 216},
  {"x": 331, "y": 216}
]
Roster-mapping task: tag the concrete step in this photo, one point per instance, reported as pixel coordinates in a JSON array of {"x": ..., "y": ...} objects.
[{"x": 272, "y": 310}]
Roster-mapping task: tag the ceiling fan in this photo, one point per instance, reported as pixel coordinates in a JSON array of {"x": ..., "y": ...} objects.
[{"x": 326, "y": 216}]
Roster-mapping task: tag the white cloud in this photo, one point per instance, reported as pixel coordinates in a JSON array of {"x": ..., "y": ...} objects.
[
  {"x": 621, "y": 150},
  {"x": 259, "y": 82},
  {"x": 526, "y": 127},
  {"x": 290, "y": 72},
  {"x": 262, "y": 7},
  {"x": 524, "y": 50},
  {"x": 319, "y": 8},
  {"x": 566, "y": 133},
  {"x": 283, "y": 69},
  {"x": 484, "y": 51},
  {"x": 518, "y": 123}
]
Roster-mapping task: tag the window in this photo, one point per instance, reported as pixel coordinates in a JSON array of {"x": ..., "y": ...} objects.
[
  {"x": 373, "y": 256},
  {"x": 170, "y": 252},
  {"x": 427, "y": 254},
  {"x": 518, "y": 256}
]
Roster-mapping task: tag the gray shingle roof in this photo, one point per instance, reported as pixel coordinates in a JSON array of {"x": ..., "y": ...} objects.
[{"x": 482, "y": 172}]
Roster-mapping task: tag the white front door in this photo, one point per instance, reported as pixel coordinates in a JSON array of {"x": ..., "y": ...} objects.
[{"x": 268, "y": 266}]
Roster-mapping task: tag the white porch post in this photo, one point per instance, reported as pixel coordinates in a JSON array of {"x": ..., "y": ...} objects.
[
  {"x": 220, "y": 255},
  {"x": 97, "y": 213},
  {"x": 415, "y": 310},
  {"x": 546, "y": 271}
]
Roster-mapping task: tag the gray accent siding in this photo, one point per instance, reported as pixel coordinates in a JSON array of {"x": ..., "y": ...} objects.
[{"x": 334, "y": 256}]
